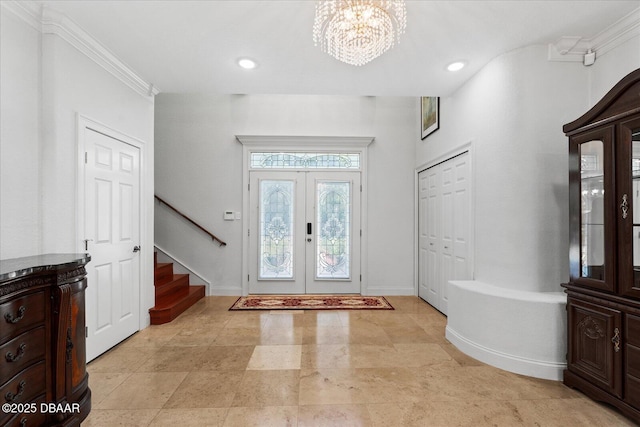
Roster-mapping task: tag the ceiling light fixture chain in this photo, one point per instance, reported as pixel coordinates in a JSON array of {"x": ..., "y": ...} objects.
[{"x": 358, "y": 31}]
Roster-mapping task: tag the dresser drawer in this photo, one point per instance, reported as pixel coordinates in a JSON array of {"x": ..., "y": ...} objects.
[
  {"x": 21, "y": 314},
  {"x": 22, "y": 351},
  {"x": 25, "y": 386}
]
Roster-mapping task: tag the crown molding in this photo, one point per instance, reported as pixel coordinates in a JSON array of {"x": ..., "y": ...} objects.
[
  {"x": 573, "y": 48},
  {"x": 27, "y": 11},
  {"x": 50, "y": 21}
]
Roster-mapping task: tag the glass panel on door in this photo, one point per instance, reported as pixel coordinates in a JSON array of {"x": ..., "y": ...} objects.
[
  {"x": 276, "y": 229},
  {"x": 592, "y": 247},
  {"x": 333, "y": 236},
  {"x": 303, "y": 232},
  {"x": 333, "y": 251}
]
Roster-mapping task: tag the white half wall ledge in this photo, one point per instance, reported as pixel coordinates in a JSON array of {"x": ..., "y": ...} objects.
[{"x": 523, "y": 332}]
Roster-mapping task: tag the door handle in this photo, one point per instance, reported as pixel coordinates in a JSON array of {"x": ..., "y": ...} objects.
[
  {"x": 309, "y": 228},
  {"x": 136, "y": 248}
]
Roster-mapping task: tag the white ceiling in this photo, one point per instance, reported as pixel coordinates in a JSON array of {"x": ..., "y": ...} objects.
[{"x": 192, "y": 46}]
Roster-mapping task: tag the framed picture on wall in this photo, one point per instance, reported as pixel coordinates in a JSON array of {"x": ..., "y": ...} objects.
[{"x": 430, "y": 114}]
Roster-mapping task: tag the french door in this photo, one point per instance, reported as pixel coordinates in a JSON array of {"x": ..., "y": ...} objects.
[{"x": 304, "y": 234}]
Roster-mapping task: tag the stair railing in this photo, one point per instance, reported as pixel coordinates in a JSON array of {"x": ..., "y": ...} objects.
[{"x": 213, "y": 236}]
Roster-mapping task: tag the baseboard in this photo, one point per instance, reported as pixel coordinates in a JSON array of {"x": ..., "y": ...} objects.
[
  {"x": 387, "y": 290},
  {"x": 508, "y": 362},
  {"x": 225, "y": 291}
]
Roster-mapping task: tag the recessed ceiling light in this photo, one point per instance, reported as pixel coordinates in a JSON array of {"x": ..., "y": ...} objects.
[
  {"x": 247, "y": 63},
  {"x": 456, "y": 66}
]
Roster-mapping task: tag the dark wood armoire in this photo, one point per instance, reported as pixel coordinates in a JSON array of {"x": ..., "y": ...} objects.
[{"x": 603, "y": 305}]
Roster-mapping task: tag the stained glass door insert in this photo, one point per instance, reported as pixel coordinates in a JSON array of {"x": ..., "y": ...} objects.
[
  {"x": 276, "y": 229},
  {"x": 333, "y": 219},
  {"x": 304, "y": 232},
  {"x": 333, "y": 254},
  {"x": 276, "y": 243}
]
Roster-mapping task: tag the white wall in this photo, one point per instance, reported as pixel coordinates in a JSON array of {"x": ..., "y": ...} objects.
[
  {"x": 46, "y": 83},
  {"x": 199, "y": 170},
  {"x": 513, "y": 111},
  {"x": 611, "y": 67},
  {"x": 20, "y": 225}
]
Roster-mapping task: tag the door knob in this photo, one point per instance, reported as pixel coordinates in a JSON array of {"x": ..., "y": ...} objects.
[
  {"x": 136, "y": 248},
  {"x": 309, "y": 239}
]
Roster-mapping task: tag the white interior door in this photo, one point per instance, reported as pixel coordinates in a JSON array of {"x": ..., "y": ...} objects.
[
  {"x": 304, "y": 232},
  {"x": 112, "y": 230},
  {"x": 443, "y": 228}
]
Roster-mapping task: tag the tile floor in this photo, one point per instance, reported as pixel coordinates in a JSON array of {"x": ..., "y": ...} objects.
[{"x": 212, "y": 367}]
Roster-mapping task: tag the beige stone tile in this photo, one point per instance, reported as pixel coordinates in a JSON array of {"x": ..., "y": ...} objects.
[
  {"x": 408, "y": 334},
  {"x": 459, "y": 356},
  {"x": 230, "y": 358},
  {"x": 238, "y": 336},
  {"x": 121, "y": 359},
  {"x": 270, "y": 416},
  {"x": 212, "y": 389},
  {"x": 410, "y": 305},
  {"x": 322, "y": 318},
  {"x": 174, "y": 359},
  {"x": 325, "y": 335},
  {"x": 268, "y": 388},
  {"x": 102, "y": 384},
  {"x": 367, "y": 333},
  {"x": 247, "y": 320},
  {"x": 333, "y": 416},
  {"x": 143, "y": 391},
  {"x": 119, "y": 417},
  {"x": 274, "y": 335},
  {"x": 195, "y": 336},
  {"x": 442, "y": 413},
  {"x": 275, "y": 357},
  {"x": 284, "y": 319},
  {"x": 352, "y": 386},
  {"x": 418, "y": 355},
  {"x": 196, "y": 417},
  {"x": 335, "y": 356},
  {"x": 570, "y": 412},
  {"x": 153, "y": 336}
]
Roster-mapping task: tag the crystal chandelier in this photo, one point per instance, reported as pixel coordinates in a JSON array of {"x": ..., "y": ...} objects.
[{"x": 358, "y": 31}]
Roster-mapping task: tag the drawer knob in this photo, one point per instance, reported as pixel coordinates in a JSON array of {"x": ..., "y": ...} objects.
[
  {"x": 10, "y": 319},
  {"x": 10, "y": 397},
  {"x": 15, "y": 357}
]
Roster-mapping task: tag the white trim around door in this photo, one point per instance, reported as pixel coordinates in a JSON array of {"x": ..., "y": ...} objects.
[
  {"x": 467, "y": 152},
  {"x": 310, "y": 144},
  {"x": 87, "y": 131}
]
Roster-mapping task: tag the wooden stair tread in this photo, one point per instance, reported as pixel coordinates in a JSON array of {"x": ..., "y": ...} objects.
[
  {"x": 167, "y": 309},
  {"x": 173, "y": 294}
]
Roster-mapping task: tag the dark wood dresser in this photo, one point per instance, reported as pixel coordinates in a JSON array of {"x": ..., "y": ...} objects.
[
  {"x": 43, "y": 377},
  {"x": 603, "y": 304}
]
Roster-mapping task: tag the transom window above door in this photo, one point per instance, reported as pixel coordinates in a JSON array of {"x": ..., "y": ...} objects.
[{"x": 304, "y": 160}]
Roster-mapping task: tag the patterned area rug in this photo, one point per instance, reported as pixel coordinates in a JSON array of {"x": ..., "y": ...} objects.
[{"x": 310, "y": 302}]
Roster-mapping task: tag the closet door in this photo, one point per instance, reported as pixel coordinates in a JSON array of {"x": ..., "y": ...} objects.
[{"x": 444, "y": 206}]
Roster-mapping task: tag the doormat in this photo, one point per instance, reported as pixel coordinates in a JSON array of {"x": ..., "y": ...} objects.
[{"x": 311, "y": 302}]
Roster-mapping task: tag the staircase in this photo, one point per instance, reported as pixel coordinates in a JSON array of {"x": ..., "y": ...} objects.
[{"x": 173, "y": 293}]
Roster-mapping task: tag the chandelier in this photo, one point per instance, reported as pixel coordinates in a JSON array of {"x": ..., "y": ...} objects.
[{"x": 358, "y": 31}]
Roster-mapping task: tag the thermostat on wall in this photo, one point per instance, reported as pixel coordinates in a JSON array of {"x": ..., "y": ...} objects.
[{"x": 229, "y": 215}]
